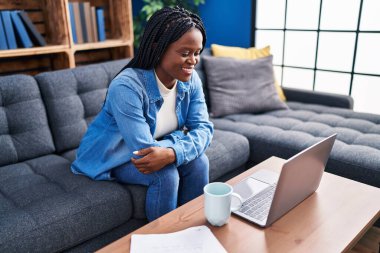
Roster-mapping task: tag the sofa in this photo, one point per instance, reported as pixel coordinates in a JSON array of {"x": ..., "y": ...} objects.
[
  {"x": 46, "y": 208},
  {"x": 311, "y": 116}
]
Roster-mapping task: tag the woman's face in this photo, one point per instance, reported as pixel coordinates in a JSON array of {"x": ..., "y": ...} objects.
[{"x": 180, "y": 58}]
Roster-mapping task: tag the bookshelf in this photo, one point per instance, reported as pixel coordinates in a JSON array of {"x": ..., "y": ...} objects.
[{"x": 52, "y": 20}]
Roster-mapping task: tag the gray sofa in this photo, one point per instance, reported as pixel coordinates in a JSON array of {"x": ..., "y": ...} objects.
[
  {"x": 43, "y": 206},
  {"x": 312, "y": 116},
  {"x": 46, "y": 208}
]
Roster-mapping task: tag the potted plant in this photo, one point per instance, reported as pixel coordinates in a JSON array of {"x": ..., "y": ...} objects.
[{"x": 151, "y": 6}]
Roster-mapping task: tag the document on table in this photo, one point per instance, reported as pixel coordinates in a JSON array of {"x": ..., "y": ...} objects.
[{"x": 192, "y": 240}]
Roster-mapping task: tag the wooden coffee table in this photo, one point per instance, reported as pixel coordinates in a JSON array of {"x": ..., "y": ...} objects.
[{"x": 331, "y": 220}]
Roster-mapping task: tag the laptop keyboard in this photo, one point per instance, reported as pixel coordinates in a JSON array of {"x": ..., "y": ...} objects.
[{"x": 258, "y": 205}]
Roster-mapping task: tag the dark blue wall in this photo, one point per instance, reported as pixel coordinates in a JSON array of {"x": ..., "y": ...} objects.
[
  {"x": 227, "y": 22},
  {"x": 136, "y": 6}
]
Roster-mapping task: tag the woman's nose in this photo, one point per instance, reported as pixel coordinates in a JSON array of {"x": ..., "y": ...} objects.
[{"x": 192, "y": 59}]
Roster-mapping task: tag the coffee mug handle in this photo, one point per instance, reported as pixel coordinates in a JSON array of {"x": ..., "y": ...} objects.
[{"x": 235, "y": 208}]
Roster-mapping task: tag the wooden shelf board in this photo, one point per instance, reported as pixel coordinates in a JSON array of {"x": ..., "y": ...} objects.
[
  {"x": 103, "y": 44},
  {"x": 33, "y": 51}
]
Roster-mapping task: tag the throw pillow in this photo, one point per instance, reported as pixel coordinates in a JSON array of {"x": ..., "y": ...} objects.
[
  {"x": 239, "y": 52},
  {"x": 245, "y": 53},
  {"x": 241, "y": 86}
]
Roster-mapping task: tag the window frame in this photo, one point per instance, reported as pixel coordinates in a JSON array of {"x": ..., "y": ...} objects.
[{"x": 357, "y": 31}]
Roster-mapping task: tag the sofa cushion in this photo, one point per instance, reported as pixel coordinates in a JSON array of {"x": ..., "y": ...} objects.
[
  {"x": 70, "y": 154},
  {"x": 239, "y": 52},
  {"x": 241, "y": 86},
  {"x": 24, "y": 130},
  {"x": 246, "y": 53},
  {"x": 227, "y": 152},
  {"x": 283, "y": 133},
  {"x": 202, "y": 74},
  {"x": 73, "y": 97},
  {"x": 42, "y": 201}
]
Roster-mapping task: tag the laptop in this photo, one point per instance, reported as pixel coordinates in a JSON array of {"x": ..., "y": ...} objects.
[{"x": 267, "y": 195}]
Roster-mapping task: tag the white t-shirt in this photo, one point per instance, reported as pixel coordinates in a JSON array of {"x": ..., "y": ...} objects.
[{"x": 166, "y": 121}]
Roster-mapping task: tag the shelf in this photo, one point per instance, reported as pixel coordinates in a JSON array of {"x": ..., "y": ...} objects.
[
  {"x": 52, "y": 20},
  {"x": 33, "y": 51},
  {"x": 99, "y": 45},
  {"x": 32, "y": 65},
  {"x": 84, "y": 57}
]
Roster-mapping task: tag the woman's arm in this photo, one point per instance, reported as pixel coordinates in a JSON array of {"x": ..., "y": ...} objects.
[
  {"x": 126, "y": 103},
  {"x": 200, "y": 130}
]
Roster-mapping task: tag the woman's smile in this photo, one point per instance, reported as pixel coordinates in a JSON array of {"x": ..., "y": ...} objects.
[{"x": 188, "y": 70}]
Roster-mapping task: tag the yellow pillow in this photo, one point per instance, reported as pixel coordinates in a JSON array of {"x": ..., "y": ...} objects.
[{"x": 245, "y": 53}]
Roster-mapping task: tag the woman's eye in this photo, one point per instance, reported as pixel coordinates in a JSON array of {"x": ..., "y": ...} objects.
[{"x": 187, "y": 54}]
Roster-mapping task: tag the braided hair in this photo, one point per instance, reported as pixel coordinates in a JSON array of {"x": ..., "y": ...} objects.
[{"x": 163, "y": 28}]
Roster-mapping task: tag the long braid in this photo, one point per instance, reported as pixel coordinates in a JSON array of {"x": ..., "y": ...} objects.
[{"x": 152, "y": 30}]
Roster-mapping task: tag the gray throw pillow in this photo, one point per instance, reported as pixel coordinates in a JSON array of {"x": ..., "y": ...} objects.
[{"x": 241, "y": 86}]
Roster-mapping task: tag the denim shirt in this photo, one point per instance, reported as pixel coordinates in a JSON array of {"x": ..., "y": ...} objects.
[{"x": 127, "y": 122}]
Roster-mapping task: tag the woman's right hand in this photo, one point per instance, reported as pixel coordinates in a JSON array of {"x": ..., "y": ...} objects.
[{"x": 153, "y": 159}]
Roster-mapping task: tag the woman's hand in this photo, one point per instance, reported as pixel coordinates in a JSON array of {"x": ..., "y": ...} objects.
[{"x": 153, "y": 159}]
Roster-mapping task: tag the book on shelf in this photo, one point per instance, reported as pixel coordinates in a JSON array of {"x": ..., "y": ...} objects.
[
  {"x": 72, "y": 22},
  {"x": 3, "y": 39},
  {"x": 35, "y": 36},
  {"x": 87, "y": 17},
  {"x": 78, "y": 22},
  {"x": 83, "y": 22},
  {"x": 87, "y": 22},
  {"x": 8, "y": 27},
  {"x": 18, "y": 31},
  {"x": 94, "y": 24},
  {"x": 22, "y": 35},
  {"x": 100, "y": 23}
]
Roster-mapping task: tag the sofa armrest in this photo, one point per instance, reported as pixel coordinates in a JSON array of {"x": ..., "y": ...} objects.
[{"x": 318, "y": 97}]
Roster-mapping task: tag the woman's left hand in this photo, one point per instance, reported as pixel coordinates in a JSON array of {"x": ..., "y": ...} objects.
[{"x": 153, "y": 159}]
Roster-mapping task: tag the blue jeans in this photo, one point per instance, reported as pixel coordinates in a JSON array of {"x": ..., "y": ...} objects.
[{"x": 168, "y": 187}]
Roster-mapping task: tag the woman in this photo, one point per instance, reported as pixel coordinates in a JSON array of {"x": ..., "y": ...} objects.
[{"x": 153, "y": 129}]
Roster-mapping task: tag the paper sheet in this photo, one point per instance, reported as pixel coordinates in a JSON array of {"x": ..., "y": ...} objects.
[{"x": 192, "y": 240}]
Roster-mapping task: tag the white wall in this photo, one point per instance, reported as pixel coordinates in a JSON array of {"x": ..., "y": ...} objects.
[{"x": 330, "y": 69}]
